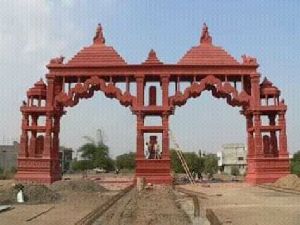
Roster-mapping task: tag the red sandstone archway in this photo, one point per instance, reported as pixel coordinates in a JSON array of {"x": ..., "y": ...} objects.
[{"x": 99, "y": 67}]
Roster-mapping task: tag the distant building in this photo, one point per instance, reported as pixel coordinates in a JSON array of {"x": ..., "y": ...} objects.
[
  {"x": 66, "y": 157},
  {"x": 8, "y": 156},
  {"x": 232, "y": 155}
]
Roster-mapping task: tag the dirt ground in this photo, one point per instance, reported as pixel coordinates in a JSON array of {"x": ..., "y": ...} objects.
[
  {"x": 72, "y": 206},
  {"x": 232, "y": 203},
  {"x": 155, "y": 206},
  {"x": 240, "y": 203}
]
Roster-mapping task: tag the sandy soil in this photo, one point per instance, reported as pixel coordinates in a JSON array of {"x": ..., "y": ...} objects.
[
  {"x": 239, "y": 203},
  {"x": 157, "y": 206},
  {"x": 70, "y": 209}
]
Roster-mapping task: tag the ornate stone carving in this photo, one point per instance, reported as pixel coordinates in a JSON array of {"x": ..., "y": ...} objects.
[
  {"x": 57, "y": 60},
  {"x": 219, "y": 89},
  {"x": 248, "y": 60},
  {"x": 86, "y": 90},
  {"x": 205, "y": 37},
  {"x": 99, "y": 37}
]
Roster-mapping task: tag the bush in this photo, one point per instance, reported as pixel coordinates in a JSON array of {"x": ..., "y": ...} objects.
[{"x": 295, "y": 164}]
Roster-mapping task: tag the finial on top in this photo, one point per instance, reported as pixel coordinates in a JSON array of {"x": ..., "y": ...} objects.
[
  {"x": 99, "y": 38},
  {"x": 152, "y": 58},
  {"x": 205, "y": 37},
  {"x": 152, "y": 53},
  {"x": 266, "y": 82}
]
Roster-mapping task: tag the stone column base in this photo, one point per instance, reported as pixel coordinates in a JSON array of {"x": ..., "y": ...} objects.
[
  {"x": 40, "y": 170},
  {"x": 155, "y": 171},
  {"x": 267, "y": 170}
]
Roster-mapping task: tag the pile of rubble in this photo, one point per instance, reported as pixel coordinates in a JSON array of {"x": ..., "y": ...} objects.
[
  {"x": 291, "y": 181},
  {"x": 33, "y": 193}
]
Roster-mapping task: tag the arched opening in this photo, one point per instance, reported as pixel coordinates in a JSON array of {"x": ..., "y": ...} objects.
[
  {"x": 117, "y": 123},
  {"x": 207, "y": 123}
]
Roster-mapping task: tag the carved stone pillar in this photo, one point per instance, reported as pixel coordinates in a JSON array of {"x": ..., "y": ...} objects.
[
  {"x": 165, "y": 136},
  {"x": 50, "y": 92},
  {"x": 32, "y": 142},
  {"x": 258, "y": 137},
  {"x": 273, "y": 139},
  {"x": 48, "y": 137},
  {"x": 282, "y": 135},
  {"x": 250, "y": 139},
  {"x": 24, "y": 137},
  {"x": 255, "y": 90},
  {"x": 56, "y": 136},
  {"x": 140, "y": 90},
  {"x": 139, "y": 136},
  {"x": 165, "y": 90}
]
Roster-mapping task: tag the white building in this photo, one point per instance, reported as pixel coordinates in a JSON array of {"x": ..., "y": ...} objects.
[{"x": 232, "y": 155}]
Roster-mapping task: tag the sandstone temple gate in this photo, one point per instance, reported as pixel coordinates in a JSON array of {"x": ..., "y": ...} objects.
[{"x": 99, "y": 67}]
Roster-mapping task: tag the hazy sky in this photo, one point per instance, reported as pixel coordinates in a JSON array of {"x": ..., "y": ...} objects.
[{"x": 32, "y": 32}]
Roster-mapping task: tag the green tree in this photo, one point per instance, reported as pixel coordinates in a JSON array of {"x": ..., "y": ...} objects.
[
  {"x": 210, "y": 164},
  {"x": 194, "y": 162},
  {"x": 295, "y": 163},
  {"x": 82, "y": 165},
  {"x": 175, "y": 162},
  {"x": 97, "y": 153},
  {"x": 126, "y": 161}
]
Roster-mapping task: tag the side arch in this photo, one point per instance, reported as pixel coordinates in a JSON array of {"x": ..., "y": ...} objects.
[
  {"x": 219, "y": 90},
  {"x": 87, "y": 89}
]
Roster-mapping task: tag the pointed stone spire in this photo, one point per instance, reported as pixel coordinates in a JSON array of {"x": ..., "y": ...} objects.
[
  {"x": 205, "y": 37},
  {"x": 152, "y": 55},
  {"x": 99, "y": 38},
  {"x": 152, "y": 58}
]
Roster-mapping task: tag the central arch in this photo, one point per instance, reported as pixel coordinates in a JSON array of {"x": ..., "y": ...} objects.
[{"x": 99, "y": 67}]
